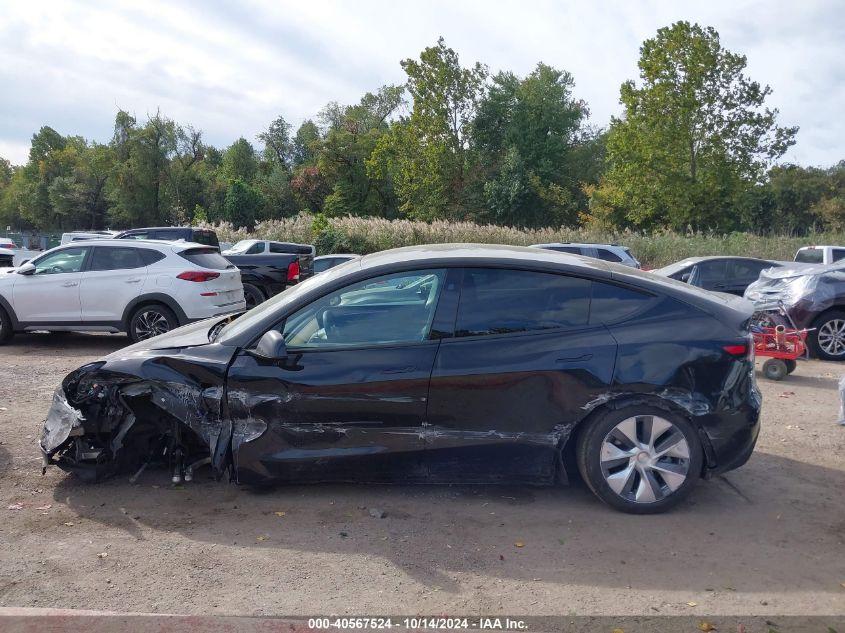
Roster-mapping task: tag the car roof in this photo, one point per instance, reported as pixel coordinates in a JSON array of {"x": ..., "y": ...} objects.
[
  {"x": 706, "y": 258},
  {"x": 165, "y": 228},
  {"x": 579, "y": 245},
  {"x": 332, "y": 255},
  {"x": 174, "y": 244}
]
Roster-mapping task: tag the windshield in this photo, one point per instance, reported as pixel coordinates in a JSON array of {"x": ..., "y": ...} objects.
[
  {"x": 671, "y": 269},
  {"x": 810, "y": 256},
  {"x": 242, "y": 246},
  {"x": 278, "y": 303}
]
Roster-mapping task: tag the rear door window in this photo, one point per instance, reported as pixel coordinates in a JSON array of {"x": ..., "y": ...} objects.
[
  {"x": 743, "y": 269},
  {"x": 206, "y": 258},
  {"x": 500, "y": 301},
  {"x": 612, "y": 303},
  {"x": 837, "y": 254},
  {"x": 116, "y": 258},
  {"x": 712, "y": 272},
  {"x": 321, "y": 265},
  {"x": 608, "y": 256}
]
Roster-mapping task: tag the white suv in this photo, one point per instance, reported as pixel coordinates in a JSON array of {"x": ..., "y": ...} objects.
[{"x": 142, "y": 287}]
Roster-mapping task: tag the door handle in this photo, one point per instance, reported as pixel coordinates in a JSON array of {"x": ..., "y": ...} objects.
[
  {"x": 575, "y": 359},
  {"x": 134, "y": 280},
  {"x": 399, "y": 370},
  {"x": 70, "y": 284}
]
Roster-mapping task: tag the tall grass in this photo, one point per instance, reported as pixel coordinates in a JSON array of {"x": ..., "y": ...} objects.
[{"x": 367, "y": 235}]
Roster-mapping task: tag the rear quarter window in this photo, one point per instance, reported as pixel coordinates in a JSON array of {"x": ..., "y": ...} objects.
[
  {"x": 206, "y": 258},
  {"x": 608, "y": 256},
  {"x": 612, "y": 303}
]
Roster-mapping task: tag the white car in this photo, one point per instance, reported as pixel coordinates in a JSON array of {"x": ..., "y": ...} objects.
[
  {"x": 141, "y": 287},
  {"x": 607, "y": 252},
  {"x": 84, "y": 236},
  {"x": 7, "y": 252},
  {"x": 324, "y": 262},
  {"x": 263, "y": 247}
]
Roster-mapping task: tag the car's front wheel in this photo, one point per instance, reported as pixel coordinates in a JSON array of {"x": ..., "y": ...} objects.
[
  {"x": 151, "y": 320},
  {"x": 827, "y": 340},
  {"x": 640, "y": 459}
]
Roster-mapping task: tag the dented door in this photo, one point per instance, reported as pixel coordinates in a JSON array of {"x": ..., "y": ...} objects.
[{"x": 331, "y": 415}]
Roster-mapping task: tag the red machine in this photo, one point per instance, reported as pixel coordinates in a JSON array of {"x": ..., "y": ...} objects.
[{"x": 782, "y": 345}]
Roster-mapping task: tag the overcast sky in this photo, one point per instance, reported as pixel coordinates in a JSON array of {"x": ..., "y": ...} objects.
[{"x": 229, "y": 68}]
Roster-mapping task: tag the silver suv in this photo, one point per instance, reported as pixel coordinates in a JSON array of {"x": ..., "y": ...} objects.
[{"x": 607, "y": 252}]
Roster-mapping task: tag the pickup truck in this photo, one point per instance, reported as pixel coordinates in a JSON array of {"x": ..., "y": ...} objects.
[
  {"x": 820, "y": 254},
  {"x": 268, "y": 274}
]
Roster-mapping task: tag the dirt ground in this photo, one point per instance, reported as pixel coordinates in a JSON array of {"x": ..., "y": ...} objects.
[{"x": 765, "y": 539}]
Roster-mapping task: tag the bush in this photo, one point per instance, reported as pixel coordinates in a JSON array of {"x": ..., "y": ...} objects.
[{"x": 367, "y": 235}]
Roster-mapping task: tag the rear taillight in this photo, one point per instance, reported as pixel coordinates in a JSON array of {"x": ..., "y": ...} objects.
[
  {"x": 293, "y": 271},
  {"x": 739, "y": 350},
  {"x": 197, "y": 275}
]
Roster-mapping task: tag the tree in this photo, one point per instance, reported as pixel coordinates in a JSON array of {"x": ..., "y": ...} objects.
[
  {"x": 531, "y": 139},
  {"x": 242, "y": 204},
  {"x": 424, "y": 155},
  {"x": 304, "y": 143},
  {"x": 240, "y": 161},
  {"x": 278, "y": 147},
  {"x": 694, "y": 136}
]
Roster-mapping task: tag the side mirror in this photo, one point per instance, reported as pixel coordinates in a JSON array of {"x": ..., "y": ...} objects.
[
  {"x": 27, "y": 268},
  {"x": 272, "y": 346},
  {"x": 685, "y": 277}
]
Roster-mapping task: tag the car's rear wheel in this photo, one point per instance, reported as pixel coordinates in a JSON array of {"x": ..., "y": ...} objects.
[
  {"x": 827, "y": 341},
  {"x": 252, "y": 296},
  {"x": 640, "y": 459},
  {"x": 6, "y": 331},
  {"x": 151, "y": 320}
]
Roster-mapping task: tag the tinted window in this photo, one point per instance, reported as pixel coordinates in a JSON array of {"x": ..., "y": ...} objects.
[
  {"x": 564, "y": 249},
  {"x": 810, "y": 256},
  {"x": 116, "y": 258},
  {"x": 613, "y": 303},
  {"x": 205, "y": 237},
  {"x": 142, "y": 235},
  {"x": 397, "y": 308},
  {"x": 256, "y": 248},
  {"x": 712, "y": 271},
  {"x": 68, "y": 260},
  {"x": 744, "y": 269},
  {"x": 501, "y": 301},
  {"x": 169, "y": 235},
  {"x": 608, "y": 256},
  {"x": 838, "y": 254},
  {"x": 323, "y": 264},
  {"x": 279, "y": 248},
  {"x": 206, "y": 258},
  {"x": 150, "y": 256}
]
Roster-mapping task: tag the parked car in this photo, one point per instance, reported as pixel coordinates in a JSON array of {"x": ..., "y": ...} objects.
[
  {"x": 820, "y": 254},
  {"x": 172, "y": 234},
  {"x": 261, "y": 247},
  {"x": 143, "y": 288},
  {"x": 720, "y": 274},
  {"x": 84, "y": 236},
  {"x": 267, "y": 274},
  {"x": 7, "y": 252},
  {"x": 607, "y": 252},
  {"x": 436, "y": 363},
  {"x": 324, "y": 262},
  {"x": 811, "y": 297}
]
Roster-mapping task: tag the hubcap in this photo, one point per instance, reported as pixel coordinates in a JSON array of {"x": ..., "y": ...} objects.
[
  {"x": 832, "y": 337},
  {"x": 645, "y": 458},
  {"x": 150, "y": 323}
]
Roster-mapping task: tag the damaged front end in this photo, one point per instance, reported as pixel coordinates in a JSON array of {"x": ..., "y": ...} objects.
[{"x": 140, "y": 408}]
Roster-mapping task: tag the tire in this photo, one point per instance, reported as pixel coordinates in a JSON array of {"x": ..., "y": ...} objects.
[
  {"x": 827, "y": 340},
  {"x": 253, "y": 296},
  {"x": 631, "y": 474},
  {"x": 6, "y": 331},
  {"x": 791, "y": 365},
  {"x": 151, "y": 320},
  {"x": 775, "y": 369}
]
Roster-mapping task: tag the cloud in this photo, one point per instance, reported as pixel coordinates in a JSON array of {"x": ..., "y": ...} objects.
[{"x": 230, "y": 68}]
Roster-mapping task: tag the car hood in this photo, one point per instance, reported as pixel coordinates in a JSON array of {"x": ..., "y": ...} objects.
[{"x": 191, "y": 335}]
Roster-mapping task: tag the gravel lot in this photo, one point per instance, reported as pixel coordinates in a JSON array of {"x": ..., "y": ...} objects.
[{"x": 766, "y": 539}]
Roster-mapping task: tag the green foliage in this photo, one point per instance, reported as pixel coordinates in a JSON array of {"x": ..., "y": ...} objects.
[
  {"x": 242, "y": 204},
  {"x": 695, "y": 135}
]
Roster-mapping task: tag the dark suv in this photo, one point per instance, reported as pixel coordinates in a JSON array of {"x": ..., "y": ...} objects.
[
  {"x": 451, "y": 363},
  {"x": 206, "y": 237}
]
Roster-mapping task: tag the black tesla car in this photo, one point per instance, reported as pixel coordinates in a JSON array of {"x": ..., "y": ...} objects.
[{"x": 451, "y": 363}]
